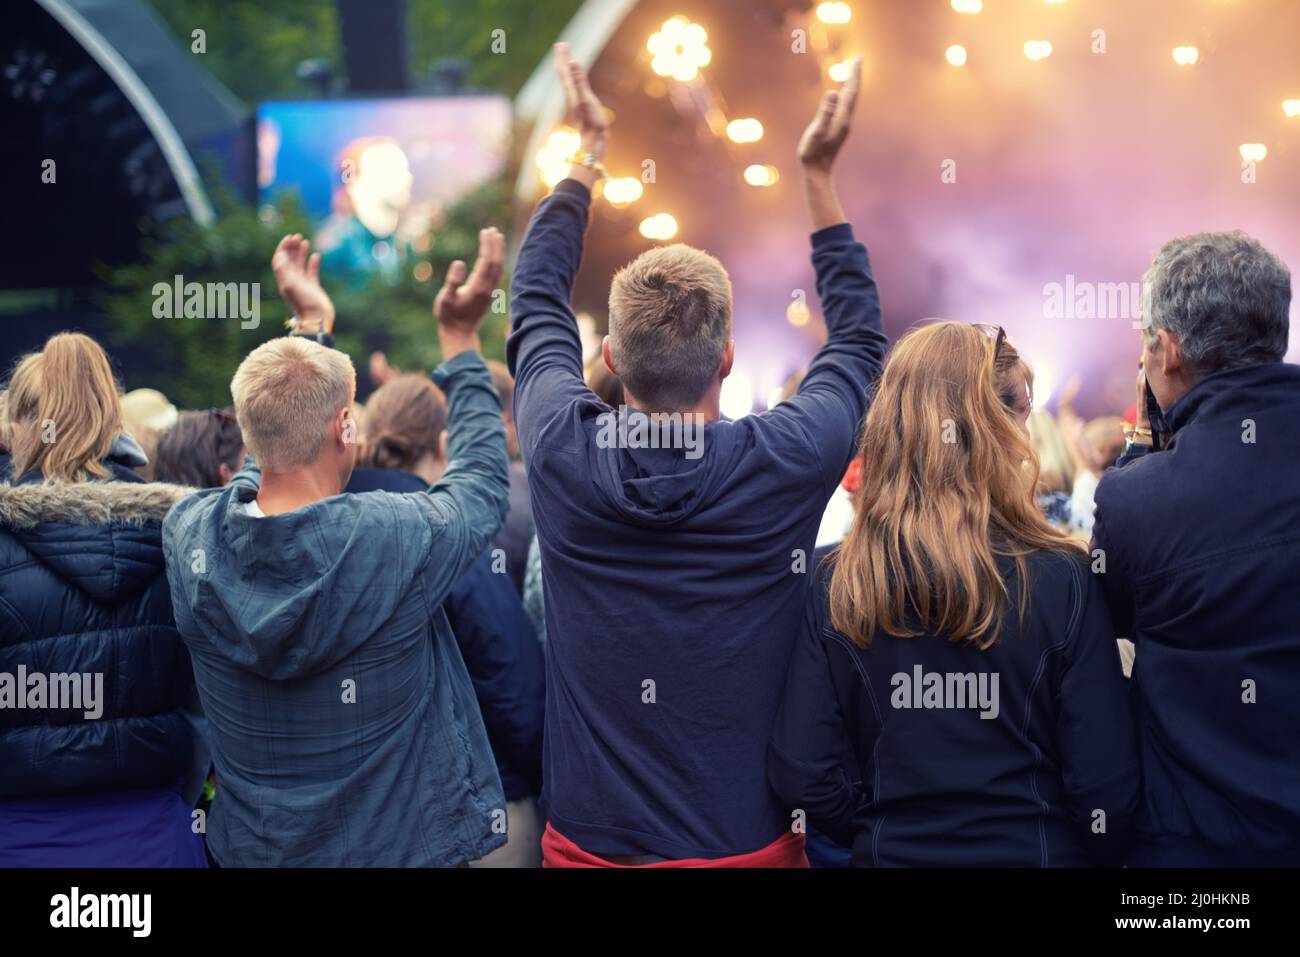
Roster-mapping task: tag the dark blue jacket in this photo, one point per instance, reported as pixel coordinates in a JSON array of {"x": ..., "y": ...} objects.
[
  {"x": 344, "y": 726},
  {"x": 1202, "y": 549},
  {"x": 500, "y": 648},
  {"x": 82, "y": 591},
  {"x": 1014, "y": 778},
  {"x": 674, "y": 584}
]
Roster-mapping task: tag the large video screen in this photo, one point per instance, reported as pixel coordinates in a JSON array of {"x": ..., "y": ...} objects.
[{"x": 376, "y": 175}]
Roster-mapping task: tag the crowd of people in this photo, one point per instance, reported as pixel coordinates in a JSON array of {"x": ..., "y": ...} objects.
[{"x": 457, "y": 626}]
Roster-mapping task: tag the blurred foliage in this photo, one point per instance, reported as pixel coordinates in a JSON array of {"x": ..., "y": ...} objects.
[
  {"x": 463, "y": 28},
  {"x": 192, "y": 360},
  {"x": 254, "y": 46}
]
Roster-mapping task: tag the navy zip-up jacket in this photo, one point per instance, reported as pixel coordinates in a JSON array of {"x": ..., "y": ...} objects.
[
  {"x": 1202, "y": 548},
  {"x": 966, "y": 773},
  {"x": 673, "y": 584}
]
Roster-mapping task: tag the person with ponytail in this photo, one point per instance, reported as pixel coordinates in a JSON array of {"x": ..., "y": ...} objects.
[
  {"x": 405, "y": 450},
  {"x": 955, "y": 697},
  {"x": 95, "y": 683}
]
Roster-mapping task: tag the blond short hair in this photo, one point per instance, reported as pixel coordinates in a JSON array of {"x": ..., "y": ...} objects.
[
  {"x": 286, "y": 393},
  {"x": 669, "y": 322}
]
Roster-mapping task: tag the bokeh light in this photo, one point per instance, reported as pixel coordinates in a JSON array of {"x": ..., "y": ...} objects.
[
  {"x": 736, "y": 398},
  {"x": 834, "y": 13},
  {"x": 553, "y": 158},
  {"x": 1186, "y": 56},
  {"x": 660, "y": 226},
  {"x": 623, "y": 190},
  {"x": 680, "y": 49},
  {"x": 760, "y": 175},
  {"x": 956, "y": 55},
  {"x": 841, "y": 71},
  {"x": 747, "y": 130},
  {"x": 1038, "y": 49}
]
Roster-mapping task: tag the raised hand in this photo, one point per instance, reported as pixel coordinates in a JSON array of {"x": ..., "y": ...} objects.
[
  {"x": 381, "y": 373},
  {"x": 297, "y": 277},
  {"x": 821, "y": 141},
  {"x": 462, "y": 302},
  {"x": 582, "y": 109}
]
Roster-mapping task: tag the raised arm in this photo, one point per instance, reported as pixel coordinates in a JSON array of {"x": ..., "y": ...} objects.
[
  {"x": 832, "y": 398},
  {"x": 466, "y": 507},
  {"x": 545, "y": 351},
  {"x": 471, "y": 498}
]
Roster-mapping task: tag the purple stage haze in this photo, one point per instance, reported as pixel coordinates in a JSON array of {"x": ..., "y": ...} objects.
[{"x": 1079, "y": 165}]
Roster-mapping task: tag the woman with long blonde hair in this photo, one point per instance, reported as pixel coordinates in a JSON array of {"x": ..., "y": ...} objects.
[
  {"x": 96, "y": 686},
  {"x": 956, "y": 697}
]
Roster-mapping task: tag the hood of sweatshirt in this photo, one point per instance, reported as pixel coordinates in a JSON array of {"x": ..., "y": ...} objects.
[
  {"x": 292, "y": 594},
  {"x": 659, "y": 475}
]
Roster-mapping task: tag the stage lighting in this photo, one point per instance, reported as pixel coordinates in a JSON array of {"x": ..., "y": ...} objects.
[
  {"x": 968, "y": 6},
  {"x": 798, "y": 313},
  {"x": 748, "y": 130},
  {"x": 553, "y": 158},
  {"x": 1253, "y": 152},
  {"x": 660, "y": 226},
  {"x": 1038, "y": 49},
  {"x": 956, "y": 54},
  {"x": 679, "y": 49},
  {"x": 623, "y": 190},
  {"x": 1291, "y": 107},
  {"x": 1186, "y": 56},
  {"x": 834, "y": 13},
  {"x": 736, "y": 398},
  {"x": 840, "y": 72},
  {"x": 760, "y": 175}
]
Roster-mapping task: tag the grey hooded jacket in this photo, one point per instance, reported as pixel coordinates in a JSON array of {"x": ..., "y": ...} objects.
[{"x": 344, "y": 726}]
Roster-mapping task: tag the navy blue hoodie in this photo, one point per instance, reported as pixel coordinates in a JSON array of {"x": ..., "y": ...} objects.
[
  {"x": 1202, "y": 546},
  {"x": 673, "y": 584}
]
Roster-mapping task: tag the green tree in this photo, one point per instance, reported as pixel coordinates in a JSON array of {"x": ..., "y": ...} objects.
[
  {"x": 253, "y": 47},
  {"x": 192, "y": 360}
]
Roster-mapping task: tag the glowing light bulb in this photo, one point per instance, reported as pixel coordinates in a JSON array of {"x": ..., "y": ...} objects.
[
  {"x": 736, "y": 398},
  {"x": 956, "y": 55},
  {"x": 840, "y": 72},
  {"x": 553, "y": 157},
  {"x": 748, "y": 130},
  {"x": 1038, "y": 49},
  {"x": 680, "y": 49},
  {"x": 623, "y": 190},
  {"x": 1186, "y": 56},
  {"x": 760, "y": 175},
  {"x": 1291, "y": 107},
  {"x": 660, "y": 226},
  {"x": 834, "y": 13}
]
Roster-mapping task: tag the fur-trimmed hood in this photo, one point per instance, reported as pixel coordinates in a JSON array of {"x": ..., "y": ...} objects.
[
  {"x": 88, "y": 503},
  {"x": 102, "y": 537}
]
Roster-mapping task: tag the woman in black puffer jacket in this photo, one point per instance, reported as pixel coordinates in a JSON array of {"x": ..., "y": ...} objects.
[{"x": 94, "y": 679}]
